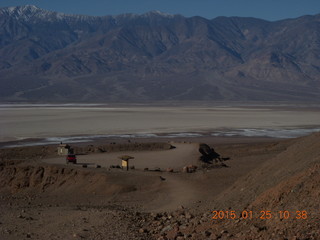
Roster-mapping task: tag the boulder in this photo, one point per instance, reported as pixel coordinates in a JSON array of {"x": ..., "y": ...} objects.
[
  {"x": 189, "y": 169},
  {"x": 208, "y": 154}
]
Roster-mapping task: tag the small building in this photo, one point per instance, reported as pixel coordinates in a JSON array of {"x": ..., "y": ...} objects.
[
  {"x": 125, "y": 161},
  {"x": 63, "y": 149}
]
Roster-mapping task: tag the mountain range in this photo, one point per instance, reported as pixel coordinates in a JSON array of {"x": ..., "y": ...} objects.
[{"x": 54, "y": 57}]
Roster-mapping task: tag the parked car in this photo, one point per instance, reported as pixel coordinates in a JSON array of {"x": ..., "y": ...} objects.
[{"x": 71, "y": 158}]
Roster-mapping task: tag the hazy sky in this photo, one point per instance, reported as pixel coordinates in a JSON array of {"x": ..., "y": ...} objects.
[{"x": 266, "y": 9}]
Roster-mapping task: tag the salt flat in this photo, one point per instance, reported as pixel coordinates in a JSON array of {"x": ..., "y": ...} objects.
[{"x": 50, "y": 121}]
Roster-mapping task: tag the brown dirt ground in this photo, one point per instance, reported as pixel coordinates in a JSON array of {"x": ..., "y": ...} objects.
[{"x": 43, "y": 198}]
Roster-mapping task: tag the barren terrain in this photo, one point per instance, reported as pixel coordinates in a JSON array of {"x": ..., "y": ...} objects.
[{"x": 43, "y": 198}]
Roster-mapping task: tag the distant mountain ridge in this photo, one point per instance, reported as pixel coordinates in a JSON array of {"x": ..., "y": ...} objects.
[{"x": 54, "y": 57}]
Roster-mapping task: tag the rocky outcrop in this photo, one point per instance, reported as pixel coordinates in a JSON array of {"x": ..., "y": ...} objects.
[{"x": 208, "y": 154}]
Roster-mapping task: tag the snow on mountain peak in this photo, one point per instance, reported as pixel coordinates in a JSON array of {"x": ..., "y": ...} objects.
[
  {"x": 22, "y": 9},
  {"x": 31, "y": 12},
  {"x": 23, "y": 12},
  {"x": 159, "y": 13}
]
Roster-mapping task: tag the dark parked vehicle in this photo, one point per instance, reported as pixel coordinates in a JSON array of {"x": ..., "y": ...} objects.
[{"x": 71, "y": 158}]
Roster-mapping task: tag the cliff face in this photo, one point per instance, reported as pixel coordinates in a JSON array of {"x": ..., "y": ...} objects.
[{"x": 48, "y": 56}]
